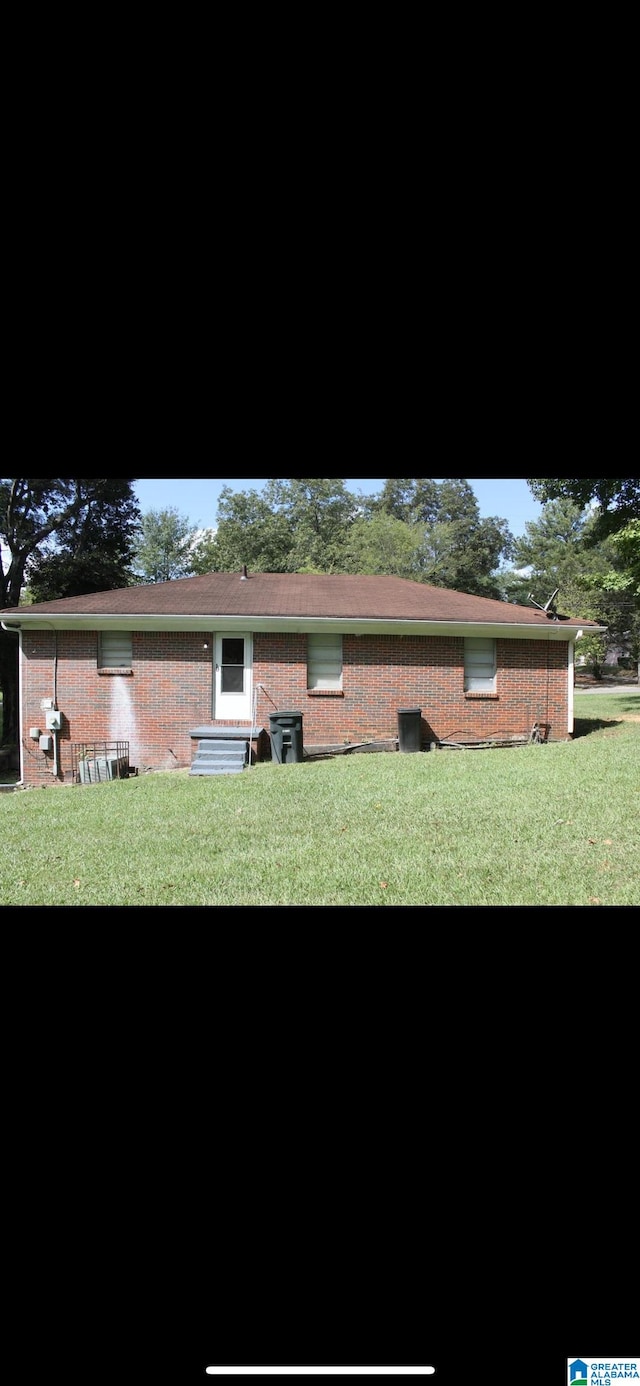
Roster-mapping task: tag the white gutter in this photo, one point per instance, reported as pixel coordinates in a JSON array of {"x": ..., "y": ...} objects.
[{"x": 361, "y": 625}]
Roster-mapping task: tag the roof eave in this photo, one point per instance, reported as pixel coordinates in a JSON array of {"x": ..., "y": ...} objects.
[{"x": 552, "y": 630}]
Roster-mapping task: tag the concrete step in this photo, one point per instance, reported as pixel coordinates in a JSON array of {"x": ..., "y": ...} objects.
[
  {"x": 222, "y": 744},
  {"x": 220, "y": 756},
  {"x": 236, "y": 753},
  {"x": 211, "y": 768},
  {"x": 234, "y": 733},
  {"x": 213, "y": 762}
]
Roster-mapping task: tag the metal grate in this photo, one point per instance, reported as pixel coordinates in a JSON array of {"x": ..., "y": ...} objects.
[{"x": 95, "y": 761}]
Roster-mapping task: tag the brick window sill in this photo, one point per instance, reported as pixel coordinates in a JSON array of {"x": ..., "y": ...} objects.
[
  {"x": 482, "y": 697},
  {"x": 325, "y": 693},
  {"x": 115, "y": 673}
]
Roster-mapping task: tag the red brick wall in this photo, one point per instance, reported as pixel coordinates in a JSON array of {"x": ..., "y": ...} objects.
[
  {"x": 169, "y": 691},
  {"x": 153, "y": 708},
  {"x": 383, "y": 673}
]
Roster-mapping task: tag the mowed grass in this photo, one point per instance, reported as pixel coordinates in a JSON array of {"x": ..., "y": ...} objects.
[{"x": 526, "y": 825}]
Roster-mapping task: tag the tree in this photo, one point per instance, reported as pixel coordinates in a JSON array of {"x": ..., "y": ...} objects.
[
  {"x": 627, "y": 544},
  {"x": 64, "y": 536},
  {"x": 457, "y": 548},
  {"x": 166, "y": 547},
  {"x": 92, "y": 547},
  {"x": 248, "y": 532},
  {"x": 617, "y": 501},
  {"x": 552, "y": 551},
  {"x": 427, "y": 530},
  {"x": 595, "y": 576},
  {"x": 616, "y": 591},
  {"x": 384, "y": 545},
  {"x": 412, "y": 499},
  {"x": 296, "y": 525},
  {"x": 318, "y": 513}
]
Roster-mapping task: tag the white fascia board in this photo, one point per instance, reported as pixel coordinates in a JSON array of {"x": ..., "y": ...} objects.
[{"x": 552, "y": 630}]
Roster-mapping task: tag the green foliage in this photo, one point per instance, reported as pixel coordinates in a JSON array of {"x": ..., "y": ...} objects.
[
  {"x": 552, "y": 542},
  {"x": 555, "y": 555},
  {"x": 383, "y": 545},
  {"x": 456, "y": 548},
  {"x": 463, "y": 556},
  {"x": 627, "y": 545},
  {"x": 318, "y": 513},
  {"x": 455, "y": 501},
  {"x": 417, "y": 528},
  {"x": 165, "y": 550},
  {"x": 66, "y": 536},
  {"x": 514, "y": 587},
  {"x": 594, "y": 650},
  {"x": 617, "y": 500},
  {"x": 598, "y": 579},
  {"x": 248, "y": 531},
  {"x": 412, "y": 499},
  {"x": 205, "y": 557}
]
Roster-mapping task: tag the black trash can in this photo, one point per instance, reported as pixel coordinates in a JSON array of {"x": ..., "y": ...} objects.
[
  {"x": 409, "y": 728},
  {"x": 285, "y": 730}
]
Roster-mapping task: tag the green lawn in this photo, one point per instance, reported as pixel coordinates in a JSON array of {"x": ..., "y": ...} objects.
[{"x": 527, "y": 825}]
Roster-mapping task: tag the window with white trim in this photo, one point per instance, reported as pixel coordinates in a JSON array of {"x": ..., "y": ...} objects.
[
  {"x": 115, "y": 649},
  {"x": 479, "y": 665},
  {"x": 324, "y": 661}
]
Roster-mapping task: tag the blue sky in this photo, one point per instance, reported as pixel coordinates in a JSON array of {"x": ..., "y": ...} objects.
[{"x": 198, "y": 500}]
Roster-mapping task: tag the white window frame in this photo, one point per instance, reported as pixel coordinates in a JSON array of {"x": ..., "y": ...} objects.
[
  {"x": 480, "y": 666},
  {"x": 324, "y": 661},
  {"x": 115, "y": 649}
]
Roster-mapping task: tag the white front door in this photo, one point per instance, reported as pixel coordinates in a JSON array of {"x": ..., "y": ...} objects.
[{"x": 233, "y": 678}]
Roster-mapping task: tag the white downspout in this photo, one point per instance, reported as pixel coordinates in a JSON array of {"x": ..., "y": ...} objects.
[
  {"x": 54, "y": 733},
  {"x": 571, "y": 675}
]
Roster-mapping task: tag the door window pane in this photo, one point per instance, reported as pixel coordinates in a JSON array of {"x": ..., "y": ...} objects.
[
  {"x": 232, "y": 667},
  {"x": 232, "y": 650},
  {"x": 231, "y": 679}
]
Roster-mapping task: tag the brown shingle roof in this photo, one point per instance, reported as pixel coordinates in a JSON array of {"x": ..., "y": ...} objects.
[{"x": 293, "y": 595}]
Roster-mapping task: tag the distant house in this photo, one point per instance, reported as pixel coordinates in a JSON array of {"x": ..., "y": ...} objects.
[
  {"x": 150, "y": 664},
  {"x": 612, "y": 658}
]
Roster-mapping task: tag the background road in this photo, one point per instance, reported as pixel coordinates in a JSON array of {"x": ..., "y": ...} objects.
[{"x": 606, "y": 688}]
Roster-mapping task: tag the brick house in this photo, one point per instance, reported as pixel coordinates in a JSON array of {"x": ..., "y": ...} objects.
[{"x": 154, "y": 665}]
